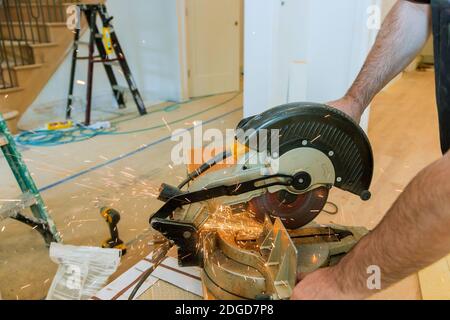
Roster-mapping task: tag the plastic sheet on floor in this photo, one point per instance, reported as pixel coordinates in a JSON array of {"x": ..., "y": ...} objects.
[{"x": 82, "y": 271}]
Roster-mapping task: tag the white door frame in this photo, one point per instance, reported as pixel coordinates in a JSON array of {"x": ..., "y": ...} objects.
[{"x": 183, "y": 45}]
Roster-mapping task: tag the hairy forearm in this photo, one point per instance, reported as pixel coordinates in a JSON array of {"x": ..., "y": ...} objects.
[
  {"x": 413, "y": 234},
  {"x": 402, "y": 35}
]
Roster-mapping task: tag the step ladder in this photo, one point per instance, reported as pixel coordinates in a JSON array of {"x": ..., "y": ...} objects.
[
  {"x": 30, "y": 198},
  {"x": 96, "y": 39}
]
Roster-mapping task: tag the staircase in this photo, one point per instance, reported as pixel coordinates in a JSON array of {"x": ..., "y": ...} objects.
[{"x": 34, "y": 41}]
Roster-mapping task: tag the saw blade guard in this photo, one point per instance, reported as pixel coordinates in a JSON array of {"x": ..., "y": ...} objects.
[{"x": 317, "y": 126}]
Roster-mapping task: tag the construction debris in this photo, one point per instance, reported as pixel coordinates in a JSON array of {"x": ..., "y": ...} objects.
[{"x": 82, "y": 271}]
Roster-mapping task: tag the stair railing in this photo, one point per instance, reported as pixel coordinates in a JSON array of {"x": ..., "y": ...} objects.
[{"x": 24, "y": 23}]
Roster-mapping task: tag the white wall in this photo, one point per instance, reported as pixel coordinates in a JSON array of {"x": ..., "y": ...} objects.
[
  {"x": 303, "y": 50},
  {"x": 241, "y": 34},
  {"x": 148, "y": 33}
]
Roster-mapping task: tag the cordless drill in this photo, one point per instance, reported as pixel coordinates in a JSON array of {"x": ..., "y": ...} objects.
[{"x": 112, "y": 217}]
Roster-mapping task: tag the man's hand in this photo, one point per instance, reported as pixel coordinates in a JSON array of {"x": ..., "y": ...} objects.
[
  {"x": 319, "y": 285},
  {"x": 412, "y": 235},
  {"x": 349, "y": 106}
]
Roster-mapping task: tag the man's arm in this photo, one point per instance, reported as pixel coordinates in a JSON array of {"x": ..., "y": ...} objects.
[
  {"x": 402, "y": 36},
  {"x": 413, "y": 234}
]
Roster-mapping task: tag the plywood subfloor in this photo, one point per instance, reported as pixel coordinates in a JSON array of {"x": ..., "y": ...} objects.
[
  {"x": 77, "y": 179},
  {"x": 435, "y": 281},
  {"x": 122, "y": 171}
]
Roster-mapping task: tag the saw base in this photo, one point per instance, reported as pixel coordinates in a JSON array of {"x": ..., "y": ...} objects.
[{"x": 232, "y": 273}]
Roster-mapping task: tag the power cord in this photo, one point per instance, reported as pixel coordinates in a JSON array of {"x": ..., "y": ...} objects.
[
  {"x": 158, "y": 256},
  {"x": 205, "y": 167},
  {"x": 50, "y": 138},
  {"x": 334, "y": 211}
]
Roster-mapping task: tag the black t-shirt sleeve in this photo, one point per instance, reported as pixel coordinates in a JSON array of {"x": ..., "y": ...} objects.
[{"x": 420, "y": 1}]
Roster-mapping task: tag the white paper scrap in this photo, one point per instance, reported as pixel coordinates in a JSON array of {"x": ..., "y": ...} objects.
[{"x": 82, "y": 271}]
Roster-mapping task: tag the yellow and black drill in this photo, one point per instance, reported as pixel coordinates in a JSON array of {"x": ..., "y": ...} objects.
[{"x": 112, "y": 217}]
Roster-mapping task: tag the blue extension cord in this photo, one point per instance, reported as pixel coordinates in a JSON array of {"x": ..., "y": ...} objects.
[{"x": 49, "y": 138}]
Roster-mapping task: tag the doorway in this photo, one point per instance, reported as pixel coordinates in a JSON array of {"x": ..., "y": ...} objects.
[{"x": 214, "y": 46}]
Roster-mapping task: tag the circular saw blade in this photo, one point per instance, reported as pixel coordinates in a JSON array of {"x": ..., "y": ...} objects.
[{"x": 295, "y": 211}]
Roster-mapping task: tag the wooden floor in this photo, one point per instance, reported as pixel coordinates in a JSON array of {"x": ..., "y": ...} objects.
[{"x": 125, "y": 172}]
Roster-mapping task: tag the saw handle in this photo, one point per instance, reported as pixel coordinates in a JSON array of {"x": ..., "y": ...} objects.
[{"x": 205, "y": 167}]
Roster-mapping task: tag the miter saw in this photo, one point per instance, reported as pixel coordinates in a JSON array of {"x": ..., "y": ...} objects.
[{"x": 249, "y": 225}]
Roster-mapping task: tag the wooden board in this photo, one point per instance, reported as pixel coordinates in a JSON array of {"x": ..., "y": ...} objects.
[{"x": 435, "y": 281}]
